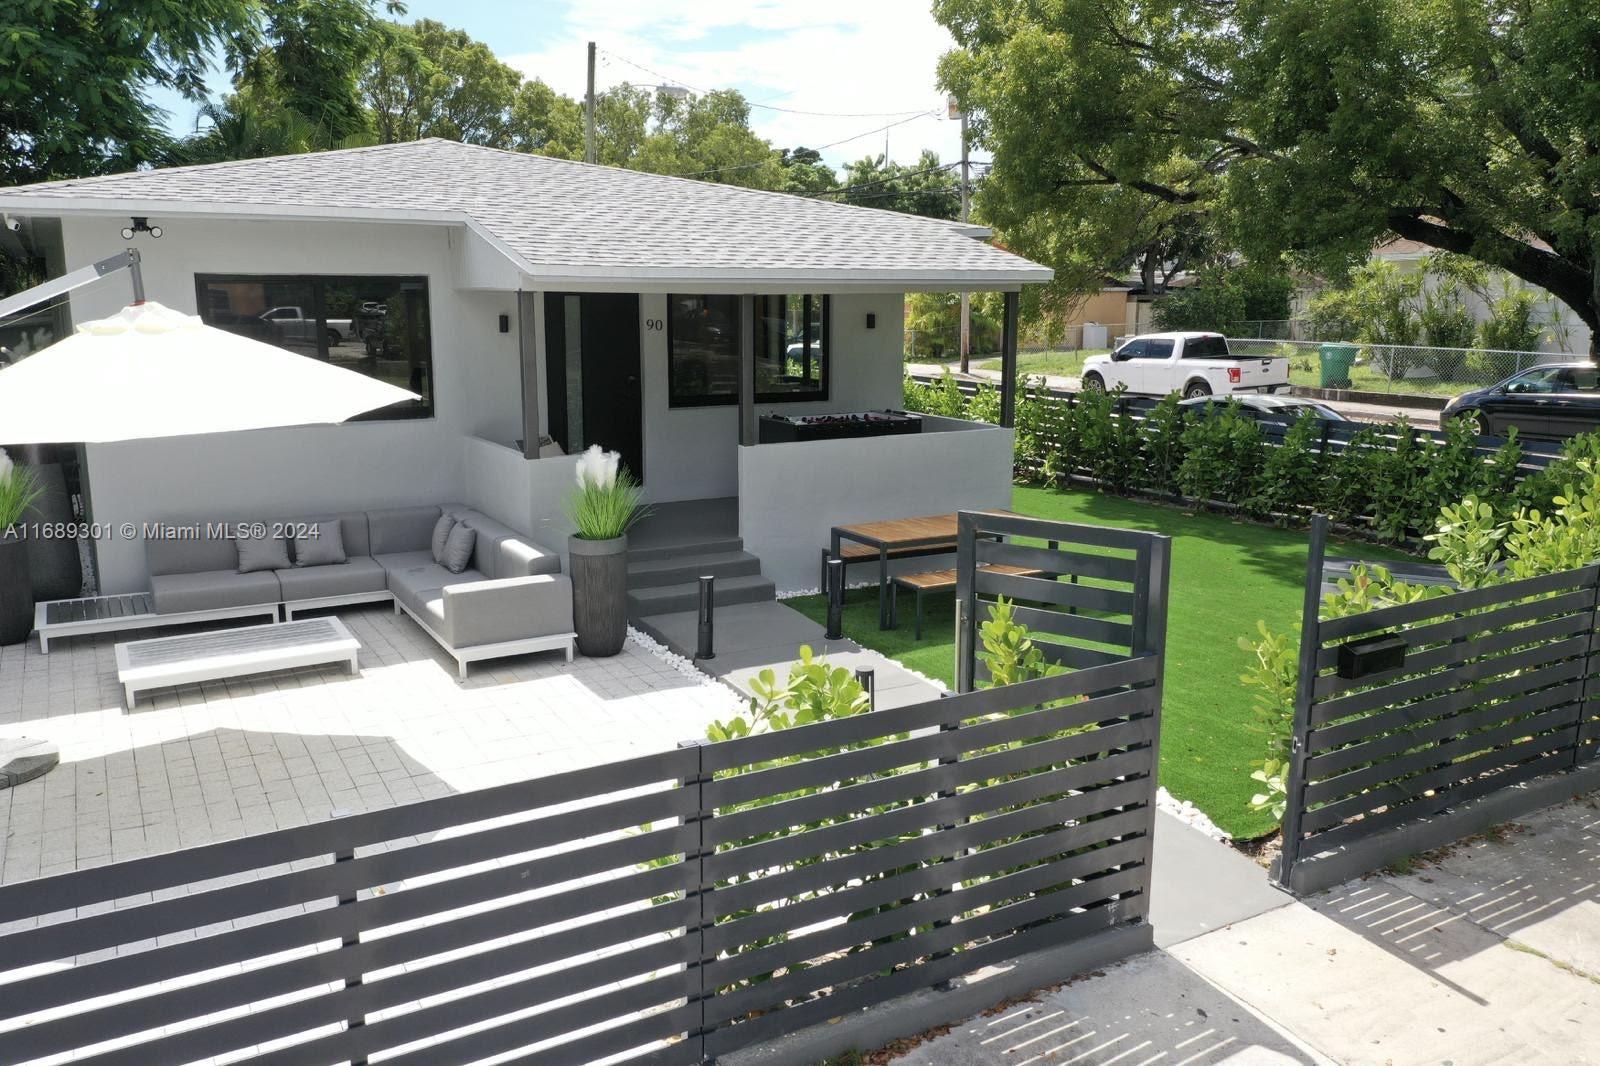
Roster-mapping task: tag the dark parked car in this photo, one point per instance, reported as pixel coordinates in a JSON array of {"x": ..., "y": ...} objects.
[
  {"x": 1265, "y": 408},
  {"x": 1553, "y": 401}
]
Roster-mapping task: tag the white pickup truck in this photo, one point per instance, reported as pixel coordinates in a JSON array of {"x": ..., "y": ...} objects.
[
  {"x": 1194, "y": 364},
  {"x": 290, "y": 323}
]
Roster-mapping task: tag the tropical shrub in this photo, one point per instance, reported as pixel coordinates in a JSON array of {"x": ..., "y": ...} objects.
[
  {"x": 1223, "y": 453},
  {"x": 1108, "y": 445},
  {"x": 1291, "y": 473},
  {"x": 1162, "y": 434}
]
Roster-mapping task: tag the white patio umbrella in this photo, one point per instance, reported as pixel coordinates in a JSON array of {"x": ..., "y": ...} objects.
[{"x": 150, "y": 371}]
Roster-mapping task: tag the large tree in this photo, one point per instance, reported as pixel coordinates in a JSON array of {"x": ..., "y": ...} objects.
[
  {"x": 926, "y": 187},
  {"x": 427, "y": 80},
  {"x": 76, "y": 78},
  {"x": 1313, "y": 127}
]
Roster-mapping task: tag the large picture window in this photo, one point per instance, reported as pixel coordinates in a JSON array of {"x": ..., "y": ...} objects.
[
  {"x": 791, "y": 349},
  {"x": 376, "y": 326}
]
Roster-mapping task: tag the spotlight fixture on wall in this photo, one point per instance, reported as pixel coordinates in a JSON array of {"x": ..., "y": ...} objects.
[{"x": 141, "y": 224}]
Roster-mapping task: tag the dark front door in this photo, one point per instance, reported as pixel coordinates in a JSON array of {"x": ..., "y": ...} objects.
[{"x": 592, "y": 372}]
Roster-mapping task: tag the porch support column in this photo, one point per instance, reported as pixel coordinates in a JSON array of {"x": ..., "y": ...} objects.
[
  {"x": 1008, "y": 362},
  {"x": 530, "y": 347},
  {"x": 747, "y": 369}
]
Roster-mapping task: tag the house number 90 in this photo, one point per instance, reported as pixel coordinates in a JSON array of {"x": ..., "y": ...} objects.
[{"x": 653, "y": 324}]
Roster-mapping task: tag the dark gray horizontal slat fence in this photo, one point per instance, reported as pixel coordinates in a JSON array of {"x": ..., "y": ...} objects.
[
  {"x": 1336, "y": 436},
  {"x": 665, "y": 908},
  {"x": 1493, "y": 713}
]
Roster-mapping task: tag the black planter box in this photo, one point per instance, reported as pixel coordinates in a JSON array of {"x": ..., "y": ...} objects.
[{"x": 784, "y": 429}]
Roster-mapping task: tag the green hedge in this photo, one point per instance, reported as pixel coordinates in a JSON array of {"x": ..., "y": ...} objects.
[{"x": 1390, "y": 480}]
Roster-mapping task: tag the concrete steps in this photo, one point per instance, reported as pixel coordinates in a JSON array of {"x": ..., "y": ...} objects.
[
  {"x": 685, "y": 596},
  {"x": 678, "y": 566}
]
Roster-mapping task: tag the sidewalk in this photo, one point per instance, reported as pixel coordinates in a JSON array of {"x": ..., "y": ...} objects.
[
  {"x": 1488, "y": 952},
  {"x": 1361, "y": 412}
]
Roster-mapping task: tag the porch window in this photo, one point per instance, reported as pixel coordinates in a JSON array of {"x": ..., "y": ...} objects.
[
  {"x": 376, "y": 326},
  {"x": 791, "y": 349}
]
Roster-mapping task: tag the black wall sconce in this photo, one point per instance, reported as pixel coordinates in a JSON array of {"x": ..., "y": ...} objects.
[
  {"x": 505, "y": 323},
  {"x": 141, "y": 224},
  {"x": 872, "y": 320}
]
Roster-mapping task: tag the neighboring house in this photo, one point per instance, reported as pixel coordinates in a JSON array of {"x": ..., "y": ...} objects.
[
  {"x": 1564, "y": 331},
  {"x": 525, "y": 297}
]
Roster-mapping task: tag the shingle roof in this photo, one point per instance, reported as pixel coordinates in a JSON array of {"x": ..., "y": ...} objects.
[{"x": 556, "y": 215}]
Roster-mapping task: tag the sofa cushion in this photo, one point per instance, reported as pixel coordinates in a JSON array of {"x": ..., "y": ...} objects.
[
  {"x": 414, "y": 576},
  {"x": 496, "y": 611},
  {"x": 441, "y": 536},
  {"x": 458, "y": 547},
  {"x": 501, "y": 551},
  {"x": 195, "y": 547},
  {"x": 352, "y": 529},
  {"x": 521, "y": 557},
  {"x": 257, "y": 553},
  {"x": 360, "y": 574},
  {"x": 321, "y": 545},
  {"x": 401, "y": 529},
  {"x": 212, "y": 590}
]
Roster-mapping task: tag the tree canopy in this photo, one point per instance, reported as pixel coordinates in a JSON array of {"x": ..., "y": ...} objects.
[
  {"x": 925, "y": 187},
  {"x": 75, "y": 78},
  {"x": 1310, "y": 127}
]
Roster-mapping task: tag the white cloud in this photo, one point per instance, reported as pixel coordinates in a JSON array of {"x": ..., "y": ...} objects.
[{"x": 840, "y": 56}]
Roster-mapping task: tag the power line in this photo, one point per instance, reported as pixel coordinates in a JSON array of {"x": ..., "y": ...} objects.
[
  {"x": 847, "y": 140},
  {"x": 668, "y": 79}
]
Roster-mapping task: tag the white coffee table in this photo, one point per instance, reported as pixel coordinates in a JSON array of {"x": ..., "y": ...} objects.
[{"x": 225, "y": 653}]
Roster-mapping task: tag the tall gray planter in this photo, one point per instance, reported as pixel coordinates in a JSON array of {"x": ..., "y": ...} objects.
[
  {"x": 599, "y": 593},
  {"x": 16, "y": 590}
]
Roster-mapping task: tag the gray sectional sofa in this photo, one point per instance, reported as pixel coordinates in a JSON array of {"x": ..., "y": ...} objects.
[{"x": 512, "y": 599}]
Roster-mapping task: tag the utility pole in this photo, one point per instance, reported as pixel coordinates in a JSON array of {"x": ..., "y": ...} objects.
[
  {"x": 588, "y": 112},
  {"x": 966, "y": 203}
]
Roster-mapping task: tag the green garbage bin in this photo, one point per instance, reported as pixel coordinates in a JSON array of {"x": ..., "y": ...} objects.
[{"x": 1336, "y": 362}]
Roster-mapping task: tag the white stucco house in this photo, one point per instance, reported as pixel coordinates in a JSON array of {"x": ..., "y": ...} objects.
[{"x": 528, "y": 298}]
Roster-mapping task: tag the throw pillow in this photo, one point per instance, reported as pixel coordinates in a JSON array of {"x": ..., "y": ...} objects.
[
  {"x": 458, "y": 548},
  {"x": 262, "y": 553},
  {"x": 323, "y": 544},
  {"x": 441, "y": 533}
]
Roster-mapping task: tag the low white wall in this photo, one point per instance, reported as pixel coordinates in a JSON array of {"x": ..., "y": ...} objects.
[
  {"x": 529, "y": 495},
  {"x": 691, "y": 453},
  {"x": 792, "y": 495}
]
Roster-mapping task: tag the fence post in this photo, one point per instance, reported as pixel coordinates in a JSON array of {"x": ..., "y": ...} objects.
[
  {"x": 1587, "y": 692},
  {"x": 1310, "y": 644},
  {"x": 696, "y": 890}
]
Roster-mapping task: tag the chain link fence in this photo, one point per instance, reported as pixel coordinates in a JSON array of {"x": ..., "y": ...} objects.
[
  {"x": 945, "y": 342},
  {"x": 1402, "y": 368}
]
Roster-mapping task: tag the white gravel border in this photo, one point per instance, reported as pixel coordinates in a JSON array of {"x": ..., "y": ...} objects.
[
  {"x": 1189, "y": 815},
  {"x": 686, "y": 667}
]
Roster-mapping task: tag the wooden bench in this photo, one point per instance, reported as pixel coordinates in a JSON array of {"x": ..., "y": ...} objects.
[
  {"x": 866, "y": 553},
  {"x": 941, "y": 581}
]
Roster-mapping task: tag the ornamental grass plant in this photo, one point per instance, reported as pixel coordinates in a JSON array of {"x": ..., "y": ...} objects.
[{"x": 606, "y": 503}]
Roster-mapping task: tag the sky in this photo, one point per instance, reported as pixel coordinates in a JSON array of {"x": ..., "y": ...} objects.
[{"x": 864, "y": 64}]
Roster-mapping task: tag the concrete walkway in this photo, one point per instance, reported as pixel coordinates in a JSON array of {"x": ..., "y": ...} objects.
[
  {"x": 751, "y": 637},
  {"x": 1487, "y": 952}
]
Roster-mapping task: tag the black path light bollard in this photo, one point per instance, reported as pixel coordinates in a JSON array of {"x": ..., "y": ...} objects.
[
  {"x": 705, "y": 646},
  {"x": 835, "y": 591},
  {"x": 868, "y": 680}
]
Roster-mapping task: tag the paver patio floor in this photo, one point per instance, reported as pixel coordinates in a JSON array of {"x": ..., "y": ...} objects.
[{"x": 209, "y": 762}]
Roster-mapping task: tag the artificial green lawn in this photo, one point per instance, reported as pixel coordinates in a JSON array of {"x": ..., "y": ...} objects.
[{"x": 1226, "y": 574}]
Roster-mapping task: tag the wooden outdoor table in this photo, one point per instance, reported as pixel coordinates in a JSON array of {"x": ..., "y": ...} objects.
[{"x": 926, "y": 534}]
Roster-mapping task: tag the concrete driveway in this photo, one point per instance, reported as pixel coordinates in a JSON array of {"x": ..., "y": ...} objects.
[{"x": 1487, "y": 952}]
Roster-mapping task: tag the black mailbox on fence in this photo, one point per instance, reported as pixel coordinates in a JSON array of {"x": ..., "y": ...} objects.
[{"x": 1371, "y": 656}]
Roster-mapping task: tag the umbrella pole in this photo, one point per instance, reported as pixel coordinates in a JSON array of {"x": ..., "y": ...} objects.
[{"x": 128, "y": 259}]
